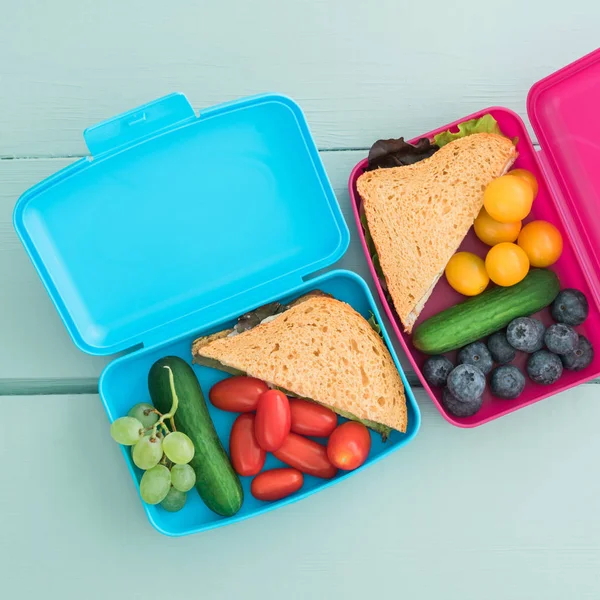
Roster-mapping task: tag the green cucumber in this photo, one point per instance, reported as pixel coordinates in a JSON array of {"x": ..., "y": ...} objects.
[
  {"x": 482, "y": 315},
  {"x": 216, "y": 481}
]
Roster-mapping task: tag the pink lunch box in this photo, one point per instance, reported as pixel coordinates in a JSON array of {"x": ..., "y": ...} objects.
[{"x": 564, "y": 109}]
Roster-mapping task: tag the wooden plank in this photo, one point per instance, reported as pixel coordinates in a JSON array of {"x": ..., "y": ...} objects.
[
  {"x": 505, "y": 511},
  {"x": 359, "y": 72},
  {"x": 34, "y": 344}
]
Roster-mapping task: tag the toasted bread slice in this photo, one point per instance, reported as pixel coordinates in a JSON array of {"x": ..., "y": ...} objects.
[
  {"x": 419, "y": 214},
  {"x": 320, "y": 349}
]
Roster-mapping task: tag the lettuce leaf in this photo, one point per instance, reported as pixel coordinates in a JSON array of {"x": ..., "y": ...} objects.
[
  {"x": 383, "y": 430},
  {"x": 385, "y": 154},
  {"x": 372, "y": 321},
  {"x": 485, "y": 124},
  {"x": 379, "y": 428},
  {"x": 212, "y": 363},
  {"x": 372, "y": 250}
]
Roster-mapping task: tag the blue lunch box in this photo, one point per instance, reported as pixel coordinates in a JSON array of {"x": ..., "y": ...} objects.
[{"x": 176, "y": 225}]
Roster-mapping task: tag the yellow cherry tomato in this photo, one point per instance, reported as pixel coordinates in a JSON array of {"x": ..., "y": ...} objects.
[
  {"x": 542, "y": 243},
  {"x": 508, "y": 199},
  {"x": 466, "y": 273},
  {"x": 492, "y": 232},
  {"x": 506, "y": 264},
  {"x": 529, "y": 177}
]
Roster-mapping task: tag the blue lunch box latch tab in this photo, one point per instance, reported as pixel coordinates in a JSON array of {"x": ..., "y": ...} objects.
[{"x": 138, "y": 124}]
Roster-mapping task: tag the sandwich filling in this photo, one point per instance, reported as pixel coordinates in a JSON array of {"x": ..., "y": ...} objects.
[
  {"x": 417, "y": 215},
  {"x": 321, "y": 351}
]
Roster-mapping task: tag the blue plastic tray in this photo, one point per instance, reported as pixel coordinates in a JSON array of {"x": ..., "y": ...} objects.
[{"x": 176, "y": 225}]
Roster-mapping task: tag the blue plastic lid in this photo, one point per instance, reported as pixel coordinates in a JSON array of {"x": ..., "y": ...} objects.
[{"x": 178, "y": 221}]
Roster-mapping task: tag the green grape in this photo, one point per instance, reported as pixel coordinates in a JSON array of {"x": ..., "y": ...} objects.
[
  {"x": 183, "y": 477},
  {"x": 147, "y": 452},
  {"x": 155, "y": 484},
  {"x": 126, "y": 431},
  {"x": 144, "y": 413},
  {"x": 174, "y": 500},
  {"x": 178, "y": 447}
]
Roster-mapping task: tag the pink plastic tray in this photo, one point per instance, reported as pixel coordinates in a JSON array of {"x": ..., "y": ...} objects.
[{"x": 564, "y": 111}]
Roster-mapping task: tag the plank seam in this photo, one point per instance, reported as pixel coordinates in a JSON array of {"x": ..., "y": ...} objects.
[
  {"x": 9, "y": 157},
  {"x": 82, "y": 386}
]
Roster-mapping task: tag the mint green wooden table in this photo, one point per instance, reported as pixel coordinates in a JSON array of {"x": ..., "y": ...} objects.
[{"x": 502, "y": 512}]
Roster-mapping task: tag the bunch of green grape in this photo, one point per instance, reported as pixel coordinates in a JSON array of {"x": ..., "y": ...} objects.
[{"x": 163, "y": 455}]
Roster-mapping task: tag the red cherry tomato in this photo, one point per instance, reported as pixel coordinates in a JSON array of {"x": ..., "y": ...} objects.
[
  {"x": 237, "y": 394},
  {"x": 313, "y": 419},
  {"x": 349, "y": 446},
  {"x": 276, "y": 484},
  {"x": 272, "y": 420},
  {"x": 306, "y": 456},
  {"x": 247, "y": 457}
]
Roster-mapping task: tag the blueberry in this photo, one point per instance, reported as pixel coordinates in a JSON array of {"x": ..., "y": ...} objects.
[
  {"x": 544, "y": 367},
  {"x": 561, "y": 338},
  {"x": 507, "y": 382},
  {"x": 526, "y": 334},
  {"x": 459, "y": 408},
  {"x": 581, "y": 357},
  {"x": 436, "y": 370},
  {"x": 466, "y": 383},
  {"x": 478, "y": 355},
  {"x": 570, "y": 307},
  {"x": 502, "y": 352}
]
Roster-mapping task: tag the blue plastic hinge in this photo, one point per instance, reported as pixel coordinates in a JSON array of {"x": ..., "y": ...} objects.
[{"x": 142, "y": 122}]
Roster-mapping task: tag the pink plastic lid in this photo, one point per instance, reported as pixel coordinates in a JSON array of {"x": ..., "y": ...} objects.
[{"x": 564, "y": 109}]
